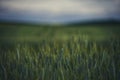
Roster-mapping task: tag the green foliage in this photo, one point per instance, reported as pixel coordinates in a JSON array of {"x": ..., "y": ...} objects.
[
  {"x": 61, "y": 60},
  {"x": 59, "y": 53},
  {"x": 18, "y": 33}
]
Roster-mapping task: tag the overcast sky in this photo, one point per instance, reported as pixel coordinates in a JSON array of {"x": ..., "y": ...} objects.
[{"x": 58, "y": 10}]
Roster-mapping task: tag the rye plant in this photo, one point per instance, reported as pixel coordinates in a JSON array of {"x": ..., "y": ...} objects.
[{"x": 74, "y": 59}]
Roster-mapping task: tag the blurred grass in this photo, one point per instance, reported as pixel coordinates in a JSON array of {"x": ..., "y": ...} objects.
[
  {"x": 61, "y": 60},
  {"x": 63, "y": 32},
  {"x": 59, "y": 52}
]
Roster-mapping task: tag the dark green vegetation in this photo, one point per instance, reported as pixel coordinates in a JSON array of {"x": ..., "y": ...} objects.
[
  {"x": 59, "y": 53},
  {"x": 31, "y": 33}
]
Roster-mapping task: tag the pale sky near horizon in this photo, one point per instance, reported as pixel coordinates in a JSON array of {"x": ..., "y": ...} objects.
[{"x": 58, "y": 10}]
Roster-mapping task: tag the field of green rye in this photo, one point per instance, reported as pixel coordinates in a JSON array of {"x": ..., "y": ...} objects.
[{"x": 59, "y": 53}]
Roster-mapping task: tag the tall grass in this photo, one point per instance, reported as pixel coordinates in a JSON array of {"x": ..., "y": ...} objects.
[{"x": 74, "y": 59}]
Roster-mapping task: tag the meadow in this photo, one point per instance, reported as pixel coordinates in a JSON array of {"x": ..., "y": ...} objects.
[{"x": 59, "y": 52}]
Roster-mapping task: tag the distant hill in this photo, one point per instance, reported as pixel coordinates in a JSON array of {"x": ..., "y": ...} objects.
[
  {"x": 75, "y": 23},
  {"x": 96, "y": 22}
]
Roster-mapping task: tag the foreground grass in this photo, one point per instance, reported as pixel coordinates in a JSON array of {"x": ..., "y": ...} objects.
[
  {"x": 31, "y": 52},
  {"x": 74, "y": 59}
]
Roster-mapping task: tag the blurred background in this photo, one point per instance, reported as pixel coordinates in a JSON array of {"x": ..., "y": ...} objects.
[{"x": 28, "y": 20}]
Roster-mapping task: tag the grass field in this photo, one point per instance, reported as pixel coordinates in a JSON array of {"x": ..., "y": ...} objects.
[
  {"x": 60, "y": 52},
  {"x": 61, "y": 32}
]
